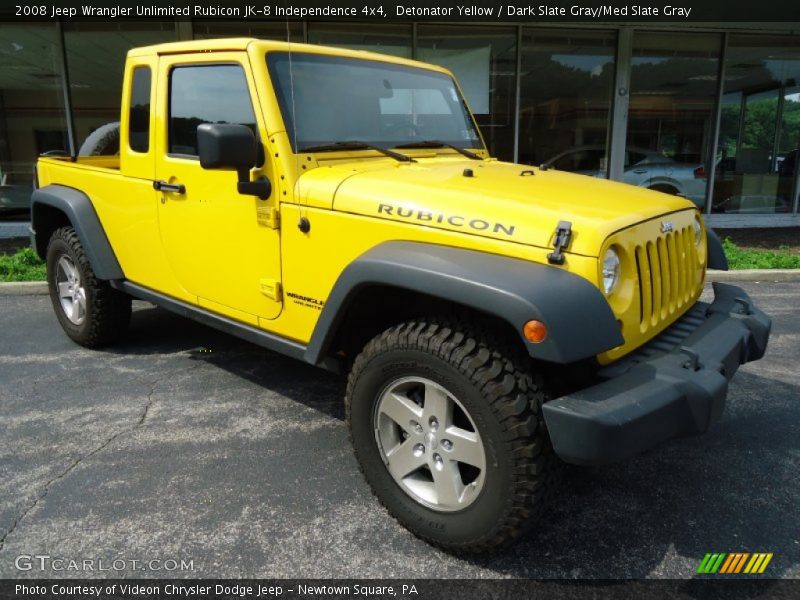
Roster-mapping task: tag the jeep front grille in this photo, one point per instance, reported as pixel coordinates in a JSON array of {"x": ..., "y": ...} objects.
[{"x": 667, "y": 269}]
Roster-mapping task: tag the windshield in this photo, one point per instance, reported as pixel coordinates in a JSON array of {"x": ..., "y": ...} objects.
[{"x": 339, "y": 99}]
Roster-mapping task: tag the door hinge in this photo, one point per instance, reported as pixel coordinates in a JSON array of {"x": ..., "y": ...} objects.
[
  {"x": 271, "y": 288},
  {"x": 268, "y": 216}
]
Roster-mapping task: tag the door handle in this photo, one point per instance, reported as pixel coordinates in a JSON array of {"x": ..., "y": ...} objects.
[
  {"x": 640, "y": 171},
  {"x": 172, "y": 188}
]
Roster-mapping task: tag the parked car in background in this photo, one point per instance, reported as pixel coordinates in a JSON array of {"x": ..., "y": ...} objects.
[
  {"x": 14, "y": 195},
  {"x": 643, "y": 168}
]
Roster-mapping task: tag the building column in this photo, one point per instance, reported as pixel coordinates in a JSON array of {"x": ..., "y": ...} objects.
[
  {"x": 66, "y": 91},
  {"x": 619, "y": 114},
  {"x": 712, "y": 158}
]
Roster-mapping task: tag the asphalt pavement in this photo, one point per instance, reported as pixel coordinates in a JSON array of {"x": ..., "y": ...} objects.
[{"x": 183, "y": 444}]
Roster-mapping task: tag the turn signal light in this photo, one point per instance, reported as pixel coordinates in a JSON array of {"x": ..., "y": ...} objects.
[{"x": 534, "y": 331}]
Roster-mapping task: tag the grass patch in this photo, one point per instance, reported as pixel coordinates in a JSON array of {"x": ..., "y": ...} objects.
[
  {"x": 756, "y": 258},
  {"x": 24, "y": 265}
]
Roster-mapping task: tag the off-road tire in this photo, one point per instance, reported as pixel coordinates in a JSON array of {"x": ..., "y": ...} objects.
[
  {"x": 495, "y": 383},
  {"x": 108, "y": 311}
]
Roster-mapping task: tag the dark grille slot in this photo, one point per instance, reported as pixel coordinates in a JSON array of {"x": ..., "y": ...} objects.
[{"x": 655, "y": 281}]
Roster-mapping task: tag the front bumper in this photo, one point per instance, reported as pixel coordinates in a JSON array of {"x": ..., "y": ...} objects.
[{"x": 675, "y": 385}]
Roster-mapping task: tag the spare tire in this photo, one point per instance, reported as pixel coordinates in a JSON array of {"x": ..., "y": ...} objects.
[{"x": 103, "y": 141}]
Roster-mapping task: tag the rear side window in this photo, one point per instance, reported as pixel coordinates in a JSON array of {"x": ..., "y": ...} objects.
[
  {"x": 206, "y": 94},
  {"x": 139, "y": 115}
]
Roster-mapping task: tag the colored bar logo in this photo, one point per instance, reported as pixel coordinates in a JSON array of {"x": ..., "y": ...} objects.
[{"x": 734, "y": 563}]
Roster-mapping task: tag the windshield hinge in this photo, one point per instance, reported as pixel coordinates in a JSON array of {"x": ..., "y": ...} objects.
[
  {"x": 560, "y": 242},
  {"x": 268, "y": 216}
]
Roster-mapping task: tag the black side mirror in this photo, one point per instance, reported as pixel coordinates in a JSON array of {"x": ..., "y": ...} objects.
[{"x": 231, "y": 146}]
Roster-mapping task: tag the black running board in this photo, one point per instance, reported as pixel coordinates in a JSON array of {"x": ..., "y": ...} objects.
[{"x": 241, "y": 330}]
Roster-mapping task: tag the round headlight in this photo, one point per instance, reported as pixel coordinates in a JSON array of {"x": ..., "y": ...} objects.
[
  {"x": 698, "y": 231},
  {"x": 610, "y": 270}
]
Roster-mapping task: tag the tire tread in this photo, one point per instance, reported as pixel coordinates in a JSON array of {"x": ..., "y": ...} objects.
[
  {"x": 108, "y": 310},
  {"x": 515, "y": 395}
]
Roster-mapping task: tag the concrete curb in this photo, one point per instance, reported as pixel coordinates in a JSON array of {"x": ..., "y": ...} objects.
[
  {"x": 13, "y": 230},
  {"x": 24, "y": 288},
  {"x": 39, "y": 288},
  {"x": 754, "y": 275}
]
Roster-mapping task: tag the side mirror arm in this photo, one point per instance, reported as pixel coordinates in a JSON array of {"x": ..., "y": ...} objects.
[{"x": 260, "y": 188}]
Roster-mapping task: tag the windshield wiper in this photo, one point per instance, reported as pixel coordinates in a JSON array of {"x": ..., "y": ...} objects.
[
  {"x": 440, "y": 144},
  {"x": 356, "y": 145}
]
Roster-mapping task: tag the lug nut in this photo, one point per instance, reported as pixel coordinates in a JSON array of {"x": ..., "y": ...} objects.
[
  {"x": 447, "y": 444},
  {"x": 419, "y": 450},
  {"x": 433, "y": 423},
  {"x": 416, "y": 427},
  {"x": 438, "y": 463}
]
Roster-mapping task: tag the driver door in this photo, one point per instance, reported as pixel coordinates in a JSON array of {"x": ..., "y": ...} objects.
[{"x": 217, "y": 242}]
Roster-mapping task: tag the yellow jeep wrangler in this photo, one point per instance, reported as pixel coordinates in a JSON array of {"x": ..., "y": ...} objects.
[{"x": 341, "y": 207}]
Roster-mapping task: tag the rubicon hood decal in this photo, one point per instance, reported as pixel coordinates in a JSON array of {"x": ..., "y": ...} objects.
[{"x": 426, "y": 217}]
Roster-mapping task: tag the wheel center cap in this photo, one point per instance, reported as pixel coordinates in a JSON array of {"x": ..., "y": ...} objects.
[{"x": 430, "y": 440}]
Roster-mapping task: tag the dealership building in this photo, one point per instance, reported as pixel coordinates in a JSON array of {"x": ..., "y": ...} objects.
[{"x": 708, "y": 111}]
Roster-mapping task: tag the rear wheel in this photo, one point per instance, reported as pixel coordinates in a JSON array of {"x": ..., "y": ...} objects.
[
  {"x": 89, "y": 310},
  {"x": 447, "y": 429}
]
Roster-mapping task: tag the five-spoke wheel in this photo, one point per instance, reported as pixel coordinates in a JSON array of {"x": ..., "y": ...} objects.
[
  {"x": 430, "y": 444},
  {"x": 70, "y": 290}
]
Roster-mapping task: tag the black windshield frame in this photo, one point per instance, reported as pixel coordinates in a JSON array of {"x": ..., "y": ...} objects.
[{"x": 473, "y": 141}]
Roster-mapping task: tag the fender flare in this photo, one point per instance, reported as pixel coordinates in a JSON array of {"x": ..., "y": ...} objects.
[
  {"x": 716, "y": 253},
  {"x": 78, "y": 209},
  {"x": 664, "y": 180},
  {"x": 579, "y": 320}
]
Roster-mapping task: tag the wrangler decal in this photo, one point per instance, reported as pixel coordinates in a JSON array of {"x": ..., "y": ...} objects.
[{"x": 306, "y": 301}]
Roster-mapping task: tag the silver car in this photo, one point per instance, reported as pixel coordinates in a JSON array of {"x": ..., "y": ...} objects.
[{"x": 643, "y": 168}]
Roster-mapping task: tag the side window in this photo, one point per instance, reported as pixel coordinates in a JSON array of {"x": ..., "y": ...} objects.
[
  {"x": 139, "y": 111},
  {"x": 205, "y": 94}
]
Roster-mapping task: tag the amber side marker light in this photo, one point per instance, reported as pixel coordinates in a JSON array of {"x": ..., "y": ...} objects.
[{"x": 534, "y": 331}]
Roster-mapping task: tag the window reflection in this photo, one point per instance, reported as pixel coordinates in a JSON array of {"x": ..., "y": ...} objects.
[
  {"x": 565, "y": 98},
  {"x": 760, "y": 126},
  {"x": 385, "y": 39},
  {"x": 483, "y": 60},
  {"x": 32, "y": 109},
  {"x": 265, "y": 30},
  {"x": 671, "y": 112},
  {"x": 206, "y": 94}
]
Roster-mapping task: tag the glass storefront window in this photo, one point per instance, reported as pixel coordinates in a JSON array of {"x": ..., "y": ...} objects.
[
  {"x": 264, "y": 30},
  {"x": 565, "y": 98},
  {"x": 32, "y": 117},
  {"x": 96, "y": 61},
  {"x": 483, "y": 60},
  {"x": 671, "y": 112},
  {"x": 385, "y": 39},
  {"x": 760, "y": 126}
]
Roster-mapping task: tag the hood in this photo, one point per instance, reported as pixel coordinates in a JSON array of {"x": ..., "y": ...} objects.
[{"x": 493, "y": 199}]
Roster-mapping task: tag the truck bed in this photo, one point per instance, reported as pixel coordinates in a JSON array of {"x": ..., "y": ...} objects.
[{"x": 100, "y": 162}]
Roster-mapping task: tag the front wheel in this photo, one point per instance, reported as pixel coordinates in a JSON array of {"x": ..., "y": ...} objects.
[{"x": 447, "y": 429}]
